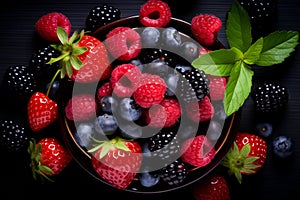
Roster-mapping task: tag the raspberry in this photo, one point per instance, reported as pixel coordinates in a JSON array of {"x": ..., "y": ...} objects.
[
  {"x": 155, "y": 13},
  {"x": 217, "y": 86},
  {"x": 124, "y": 43},
  {"x": 200, "y": 111},
  {"x": 104, "y": 90},
  {"x": 205, "y": 28},
  {"x": 124, "y": 79},
  {"x": 47, "y": 24},
  {"x": 165, "y": 114},
  {"x": 81, "y": 107},
  {"x": 150, "y": 90}
]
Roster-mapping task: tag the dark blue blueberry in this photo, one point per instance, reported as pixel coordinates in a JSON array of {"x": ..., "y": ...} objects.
[
  {"x": 129, "y": 110},
  {"x": 150, "y": 37},
  {"x": 171, "y": 81},
  {"x": 130, "y": 130},
  {"x": 170, "y": 38},
  {"x": 189, "y": 50},
  {"x": 264, "y": 129},
  {"x": 158, "y": 67},
  {"x": 283, "y": 146},
  {"x": 106, "y": 124},
  {"x": 84, "y": 132},
  {"x": 149, "y": 179},
  {"x": 182, "y": 68},
  {"x": 54, "y": 89},
  {"x": 107, "y": 103}
]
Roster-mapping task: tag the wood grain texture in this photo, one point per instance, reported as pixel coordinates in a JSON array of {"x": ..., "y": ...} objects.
[{"x": 277, "y": 180}]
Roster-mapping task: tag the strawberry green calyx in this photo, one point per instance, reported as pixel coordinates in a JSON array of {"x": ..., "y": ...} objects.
[
  {"x": 108, "y": 145},
  {"x": 69, "y": 49},
  {"x": 38, "y": 170},
  {"x": 239, "y": 162}
]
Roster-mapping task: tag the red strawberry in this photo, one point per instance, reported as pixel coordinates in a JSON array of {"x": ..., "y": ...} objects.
[
  {"x": 41, "y": 111},
  {"x": 247, "y": 155},
  {"x": 213, "y": 186},
  {"x": 155, "y": 13},
  {"x": 165, "y": 114},
  {"x": 217, "y": 86},
  {"x": 150, "y": 91},
  {"x": 124, "y": 79},
  {"x": 47, "y": 24},
  {"x": 205, "y": 28},
  {"x": 83, "y": 57},
  {"x": 124, "y": 43},
  {"x": 200, "y": 111},
  {"x": 197, "y": 151},
  {"x": 117, "y": 161},
  {"x": 81, "y": 107},
  {"x": 48, "y": 157}
]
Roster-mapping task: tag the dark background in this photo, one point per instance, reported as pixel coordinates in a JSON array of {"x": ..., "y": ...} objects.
[{"x": 278, "y": 179}]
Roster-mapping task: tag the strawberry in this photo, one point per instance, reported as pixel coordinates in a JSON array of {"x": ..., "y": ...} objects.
[
  {"x": 197, "y": 151},
  {"x": 117, "y": 161},
  {"x": 41, "y": 111},
  {"x": 48, "y": 158},
  {"x": 83, "y": 57},
  {"x": 47, "y": 24},
  {"x": 213, "y": 186},
  {"x": 246, "y": 156}
]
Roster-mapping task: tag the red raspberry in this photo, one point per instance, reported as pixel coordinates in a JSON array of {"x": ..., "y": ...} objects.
[
  {"x": 151, "y": 90},
  {"x": 200, "y": 111},
  {"x": 155, "y": 13},
  {"x": 205, "y": 28},
  {"x": 124, "y": 79},
  {"x": 47, "y": 24},
  {"x": 81, "y": 107},
  {"x": 203, "y": 50},
  {"x": 165, "y": 114},
  {"x": 124, "y": 43},
  {"x": 217, "y": 86},
  {"x": 104, "y": 90}
]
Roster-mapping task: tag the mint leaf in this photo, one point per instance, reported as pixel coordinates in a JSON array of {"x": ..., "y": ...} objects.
[
  {"x": 218, "y": 62},
  {"x": 277, "y": 46},
  {"x": 238, "y": 87},
  {"x": 238, "y": 28},
  {"x": 253, "y": 53}
]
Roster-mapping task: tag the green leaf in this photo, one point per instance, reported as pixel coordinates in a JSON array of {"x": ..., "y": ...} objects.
[
  {"x": 245, "y": 150},
  {"x": 238, "y": 28},
  {"x": 253, "y": 53},
  {"x": 238, "y": 87},
  {"x": 62, "y": 35},
  {"x": 75, "y": 62},
  {"x": 79, "y": 51},
  {"x": 218, "y": 62},
  {"x": 277, "y": 46}
]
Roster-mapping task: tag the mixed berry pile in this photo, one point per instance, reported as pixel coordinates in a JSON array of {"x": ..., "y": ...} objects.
[{"x": 151, "y": 118}]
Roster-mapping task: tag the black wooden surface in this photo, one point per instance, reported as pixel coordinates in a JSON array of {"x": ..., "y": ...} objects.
[{"x": 277, "y": 180}]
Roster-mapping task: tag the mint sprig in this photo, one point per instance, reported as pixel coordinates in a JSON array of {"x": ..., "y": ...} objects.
[{"x": 236, "y": 62}]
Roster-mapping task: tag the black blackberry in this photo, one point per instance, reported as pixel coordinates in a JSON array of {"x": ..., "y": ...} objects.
[
  {"x": 193, "y": 85},
  {"x": 14, "y": 135},
  {"x": 148, "y": 55},
  {"x": 270, "y": 97},
  {"x": 38, "y": 66},
  {"x": 101, "y": 15},
  {"x": 174, "y": 173},
  {"x": 263, "y": 16},
  {"x": 19, "y": 82},
  {"x": 164, "y": 145}
]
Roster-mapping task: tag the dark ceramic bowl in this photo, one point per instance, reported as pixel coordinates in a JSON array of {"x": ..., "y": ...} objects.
[{"x": 222, "y": 144}]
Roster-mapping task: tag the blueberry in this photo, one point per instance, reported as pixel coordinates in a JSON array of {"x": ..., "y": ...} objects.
[
  {"x": 138, "y": 63},
  {"x": 158, "y": 67},
  {"x": 106, "y": 124},
  {"x": 264, "y": 129},
  {"x": 282, "y": 146},
  {"x": 189, "y": 50},
  {"x": 182, "y": 68},
  {"x": 83, "y": 134},
  {"x": 107, "y": 103},
  {"x": 54, "y": 89},
  {"x": 129, "y": 110},
  {"x": 130, "y": 130},
  {"x": 171, "y": 81},
  {"x": 149, "y": 179},
  {"x": 150, "y": 37},
  {"x": 170, "y": 38},
  {"x": 214, "y": 130}
]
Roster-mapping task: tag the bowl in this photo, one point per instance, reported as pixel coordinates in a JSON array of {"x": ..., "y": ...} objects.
[{"x": 222, "y": 139}]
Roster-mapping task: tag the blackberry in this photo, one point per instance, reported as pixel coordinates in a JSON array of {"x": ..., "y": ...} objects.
[
  {"x": 38, "y": 66},
  {"x": 19, "y": 82},
  {"x": 164, "y": 145},
  {"x": 174, "y": 173},
  {"x": 262, "y": 14},
  {"x": 14, "y": 135},
  {"x": 148, "y": 55},
  {"x": 101, "y": 15},
  {"x": 193, "y": 85},
  {"x": 270, "y": 97}
]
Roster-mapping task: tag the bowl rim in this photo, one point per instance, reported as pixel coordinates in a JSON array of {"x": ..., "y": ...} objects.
[{"x": 81, "y": 156}]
